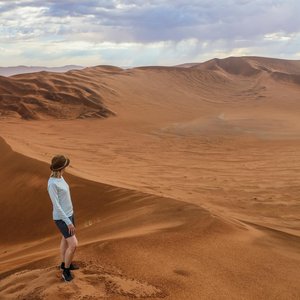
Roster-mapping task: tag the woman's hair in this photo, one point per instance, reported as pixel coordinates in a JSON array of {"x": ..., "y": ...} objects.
[{"x": 55, "y": 174}]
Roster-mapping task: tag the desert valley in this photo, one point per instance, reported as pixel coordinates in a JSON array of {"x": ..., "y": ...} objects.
[{"x": 185, "y": 180}]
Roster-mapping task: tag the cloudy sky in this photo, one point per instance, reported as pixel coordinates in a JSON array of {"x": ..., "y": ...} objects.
[{"x": 141, "y": 32}]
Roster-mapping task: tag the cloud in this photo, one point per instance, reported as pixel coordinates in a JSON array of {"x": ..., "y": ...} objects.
[{"x": 223, "y": 26}]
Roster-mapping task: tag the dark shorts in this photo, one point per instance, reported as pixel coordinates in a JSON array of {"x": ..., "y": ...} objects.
[{"x": 63, "y": 228}]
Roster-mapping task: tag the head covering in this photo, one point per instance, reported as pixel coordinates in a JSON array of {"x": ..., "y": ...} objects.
[{"x": 59, "y": 162}]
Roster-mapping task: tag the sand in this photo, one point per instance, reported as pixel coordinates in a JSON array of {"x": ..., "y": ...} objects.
[{"x": 188, "y": 190}]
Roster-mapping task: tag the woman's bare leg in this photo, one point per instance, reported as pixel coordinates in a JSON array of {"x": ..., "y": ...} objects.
[
  {"x": 63, "y": 248},
  {"x": 72, "y": 245}
]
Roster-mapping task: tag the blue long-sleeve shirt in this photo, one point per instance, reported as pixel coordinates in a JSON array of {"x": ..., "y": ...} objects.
[{"x": 60, "y": 196}]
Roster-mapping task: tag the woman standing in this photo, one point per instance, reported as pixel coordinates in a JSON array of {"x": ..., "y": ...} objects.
[{"x": 63, "y": 215}]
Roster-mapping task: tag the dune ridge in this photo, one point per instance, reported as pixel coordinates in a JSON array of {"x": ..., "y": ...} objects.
[
  {"x": 112, "y": 213},
  {"x": 132, "y": 244},
  {"x": 94, "y": 92}
]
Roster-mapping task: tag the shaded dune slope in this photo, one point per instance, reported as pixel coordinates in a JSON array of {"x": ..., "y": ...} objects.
[
  {"x": 24, "y": 194},
  {"x": 133, "y": 244}
]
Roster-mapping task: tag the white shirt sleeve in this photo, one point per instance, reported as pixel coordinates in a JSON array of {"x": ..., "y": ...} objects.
[{"x": 52, "y": 190}]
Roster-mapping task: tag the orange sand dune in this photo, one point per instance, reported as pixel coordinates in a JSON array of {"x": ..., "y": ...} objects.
[
  {"x": 133, "y": 244},
  {"x": 106, "y": 90},
  {"x": 188, "y": 190}
]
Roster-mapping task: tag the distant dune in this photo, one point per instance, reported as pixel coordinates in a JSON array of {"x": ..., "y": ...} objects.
[
  {"x": 92, "y": 92},
  {"x": 250, "y": 66},
  {"x": 10, "y": 71}
]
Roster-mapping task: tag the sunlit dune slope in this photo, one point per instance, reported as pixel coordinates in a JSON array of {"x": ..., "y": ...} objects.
[
  {"x": 104, "y": 91},
  {"x": 248, "y": 64},
  {"x": 43, "y": 94},
  {"x": 278, "y": 69}
]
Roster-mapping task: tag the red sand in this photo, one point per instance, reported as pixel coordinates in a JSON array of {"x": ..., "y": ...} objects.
[{"x": 190, "y": 191}]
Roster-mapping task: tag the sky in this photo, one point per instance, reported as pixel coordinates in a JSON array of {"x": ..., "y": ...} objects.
[{"x": 128, "y": 33}]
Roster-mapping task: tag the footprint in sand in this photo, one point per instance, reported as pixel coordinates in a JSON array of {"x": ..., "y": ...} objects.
[
  {"x": 131, "y": 287},
  {"x": 117, "y": 283},
  {"x": 93, "y": 282}
]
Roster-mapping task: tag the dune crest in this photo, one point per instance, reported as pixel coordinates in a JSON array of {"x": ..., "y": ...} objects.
[{"x": 95, "y": 92}]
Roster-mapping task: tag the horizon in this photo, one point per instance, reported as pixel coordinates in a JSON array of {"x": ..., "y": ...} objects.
[
  {"x": 139, "y": 66},
  {"x": 132, "y": 34}
]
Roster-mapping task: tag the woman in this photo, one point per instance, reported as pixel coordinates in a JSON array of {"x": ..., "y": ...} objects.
[{"x": 63, "y": 215}]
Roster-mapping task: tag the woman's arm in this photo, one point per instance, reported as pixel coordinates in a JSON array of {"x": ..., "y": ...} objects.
[{"x": 52, "y": 190}]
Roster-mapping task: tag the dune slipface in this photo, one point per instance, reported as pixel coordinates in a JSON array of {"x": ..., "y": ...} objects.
[
  {"x": 132, "y": 244},
  {"x": 188, "y": 191}
]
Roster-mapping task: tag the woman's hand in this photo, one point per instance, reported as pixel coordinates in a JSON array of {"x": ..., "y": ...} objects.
[{"x": 71, "y": 228}]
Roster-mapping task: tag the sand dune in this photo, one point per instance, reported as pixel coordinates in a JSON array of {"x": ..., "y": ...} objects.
[
  {"x": 187, "y": 190},
  {"x": 133, "y": 244},
  {"x": 42, "y": 95},
  {"x": 96, "y": 92},
  {"x": 250, "y": 65}
]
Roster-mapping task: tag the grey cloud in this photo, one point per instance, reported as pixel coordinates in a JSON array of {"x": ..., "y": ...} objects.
[
  {"x": 150, "y": 21},
  {"x": 78, "y": 8},
  {"x": 216, "y": 26}
]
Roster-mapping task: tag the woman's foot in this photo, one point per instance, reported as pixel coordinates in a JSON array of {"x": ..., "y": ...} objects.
[{"x": 66, "y": 275}]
